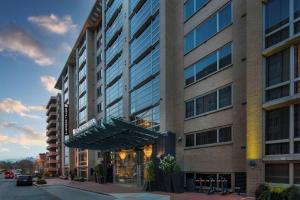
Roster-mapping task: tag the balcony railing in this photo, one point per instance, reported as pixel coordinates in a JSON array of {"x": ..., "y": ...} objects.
[
  {"x": 52, "y": 139},
  {"x": 51, "y": 154},
  {"x": 52, "y": 169},
  {"x": 111, "y": 31},
  {"x": 148, "y": 38},
  {"x": 147, "y": 10},
  {"x": 115, "y": 48},
  {"x": 52, "y": 146},
  {"x": 51, "y": 131},
  {"x": 112, "y": 9}
]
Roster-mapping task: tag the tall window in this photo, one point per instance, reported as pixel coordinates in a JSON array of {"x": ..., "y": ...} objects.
[
  {"x": 278, "y": 73},
  {"x": 276, "y": 16},
  {"x": 297, "y": 120},
  {"x": 297, "y": 69},
  {"x": 208, "y": 28}
]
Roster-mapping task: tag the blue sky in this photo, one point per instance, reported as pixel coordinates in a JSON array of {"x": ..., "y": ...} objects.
[{"x": 36, "y": 37}]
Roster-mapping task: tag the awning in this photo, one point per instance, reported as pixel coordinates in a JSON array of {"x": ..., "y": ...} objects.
[{"x": 113, "y": 136}]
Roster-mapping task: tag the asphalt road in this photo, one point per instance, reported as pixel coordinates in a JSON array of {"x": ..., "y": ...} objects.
[{"x": 9, "y": 191}]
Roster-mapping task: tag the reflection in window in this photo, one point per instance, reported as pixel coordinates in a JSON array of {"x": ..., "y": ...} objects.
[
  {"x": 277, "y": 14},
  {"x": 193, "y": 6},
  {"x": 149, "y": 119},
  {"x": 209, "y": 64},
  {"x": 189, "y": 140},
  {"x": 208, "y": 28}
]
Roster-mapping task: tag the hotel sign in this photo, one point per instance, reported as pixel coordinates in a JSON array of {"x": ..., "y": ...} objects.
[
  {"x": 66, "y": 119},
  {"x": 85, "y": 126}
]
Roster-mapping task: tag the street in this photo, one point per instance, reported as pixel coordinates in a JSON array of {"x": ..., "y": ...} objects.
[{"x": 9, "y": 191}]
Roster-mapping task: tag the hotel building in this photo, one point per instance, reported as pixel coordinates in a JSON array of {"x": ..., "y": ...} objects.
[{"x": 222, "y": 76}]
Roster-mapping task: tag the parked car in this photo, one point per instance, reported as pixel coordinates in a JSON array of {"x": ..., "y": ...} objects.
[
  {"x": 16, "y": 175},
  {"x": 24, "y": 180},
  {"x": 8, "y": 175}
]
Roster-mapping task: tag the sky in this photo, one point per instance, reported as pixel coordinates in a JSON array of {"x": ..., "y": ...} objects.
[{"x": 36, "y": 37}]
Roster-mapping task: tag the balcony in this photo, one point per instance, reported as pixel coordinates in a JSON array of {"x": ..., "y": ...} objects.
[
  {"x": 51, "y": 124},
  {"x": 114, "y": 49},
  {"x": 52, "y": 161},
  {"x": 52, "y": 154},
  {"x": 52, "y": 108},
  {"x": 52, "y": 147},
  {"x": 52, "y": 139},
  {"x": 112, "y": 10},
  {"x": 114, "y": 28},
  {"x": 52, "y": 115},
  {"x": 51, "y": 131},
  {"x": 147, "y": 10}
]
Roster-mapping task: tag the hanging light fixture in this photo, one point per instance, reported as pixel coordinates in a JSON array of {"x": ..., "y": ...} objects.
[
  {"x": 122, "y": 155},
  {"x": 148, "y": 151}
]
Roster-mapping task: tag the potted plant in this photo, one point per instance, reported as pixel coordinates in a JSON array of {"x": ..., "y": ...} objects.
[
  {"x": 150, "y": 175},
  {"x": 99, "y": 171},
  {"x": 173, "y": 177}
]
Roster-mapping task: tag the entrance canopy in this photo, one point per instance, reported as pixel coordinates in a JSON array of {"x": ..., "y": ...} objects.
[{"x": 113, "y": 136}]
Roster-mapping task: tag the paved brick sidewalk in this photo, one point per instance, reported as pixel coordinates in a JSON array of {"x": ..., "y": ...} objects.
[{"x": 132, "y": 192}]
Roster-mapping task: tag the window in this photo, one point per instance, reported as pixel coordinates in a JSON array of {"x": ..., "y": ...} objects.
[
  {"x": 208, "y": 137},
  {"x": 225, "y": 97},
  {"x": 208, "y": 28},
  {"x": 277, "y": 72},
  {"x": 99, "y": 107},
  {"x": 297, "y": 69},
  {"x": 189, "y": 140},
  {"x": 189, "y": 109},
  {"x": 149, "y": 119},
  {"x": 114, "y": 71},
  {"x": 213, "y": 136},
  {"x": 114, "y": 92},
  {"x": 115, "y": 110},
  {"x": 99, "y": 91},
  {"x": 82, "y": 101},
  {"x": 297, "y": 120},
  {"x": 145, "y": 96},
  {"x": 209, "y": 102},
  {"x": 209, "y": 64},
  {"x": 276, "y": 16},
  {"x": 277, "y": 173},
  {"x": 99, "y": 75},
  {"x": 297, "y": 173},
  {"x": 277, "y": 124},
  {"x": 82, "y": 116},
  {"x": 277, "y": 148},
  {"x": 297, "y": 147},
  {"x": 193, "y": 6},
  {"x": 225, "y": 134}
]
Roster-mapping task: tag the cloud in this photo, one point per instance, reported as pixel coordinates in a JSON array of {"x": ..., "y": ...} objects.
[
  {"x": 17, "y": 40},
  {"x": 27, "y": 137},
  {"x": 49, "y": 82},
  {"x": 66, "y": 47},
  {"x": 54, "y": 23},
  {"x": 9, "y": 105},
  {"x": 3, "y": 150}
]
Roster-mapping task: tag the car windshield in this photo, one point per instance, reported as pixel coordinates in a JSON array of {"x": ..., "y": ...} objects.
[{"x": 24, "y": 178}]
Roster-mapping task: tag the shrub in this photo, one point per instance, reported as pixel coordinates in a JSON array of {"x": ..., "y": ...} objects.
[
  {"x": 150, "y": 175},
  {"x": 167, "y": 164},
  {"x": 46, "y": 175},
  {"x": 265, "y": 192}
]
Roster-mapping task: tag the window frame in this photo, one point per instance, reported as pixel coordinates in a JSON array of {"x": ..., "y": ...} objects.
[{"x": 185, "y": 19}]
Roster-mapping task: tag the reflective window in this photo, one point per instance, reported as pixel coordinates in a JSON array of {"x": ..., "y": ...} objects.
[
  {"x": 209, "y": 64},
  {"x": 193, "y": 6},
  {"x": 277, "y": 148},
  {"x": 115, "y": 110},
  {"x": 277, "y": 173},
  {"x": 113, "y": 71},
  {"x": 225, "y": 134},
  {"x": 82, "y": 73},
  {"x": 82, "y": 101},
  {"x": 149, "y": 119},
  {"x": 296, "y": 9},
  {"x": 145, "y": 96},
  {"x": 225, "y": 97},
  {"x": 277, "y": 124},
  {"x": 208, "y": 28},
  {"x": 115, "y": 91},
  {"x": 82, "y": 87},
  {"x": 277, "y": 14},
  {"x": 148, "y": 66},
  {"x": 278, "y": 72},
  {"x": 148, "y": 38},
  {"x": 297, "y": 173},
  {"x": 208, "y": 102},
  {"x": 82, "y": 57},
  {"x": 82, "y": 116}
]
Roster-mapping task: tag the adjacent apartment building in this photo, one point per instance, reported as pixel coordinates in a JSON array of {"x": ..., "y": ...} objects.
[
  {"x": 222, "y": 75},
  {"x": 53, "y": 156}
]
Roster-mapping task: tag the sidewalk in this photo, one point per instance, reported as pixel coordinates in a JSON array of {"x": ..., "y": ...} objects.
[{"x": 135, "y": 193}]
